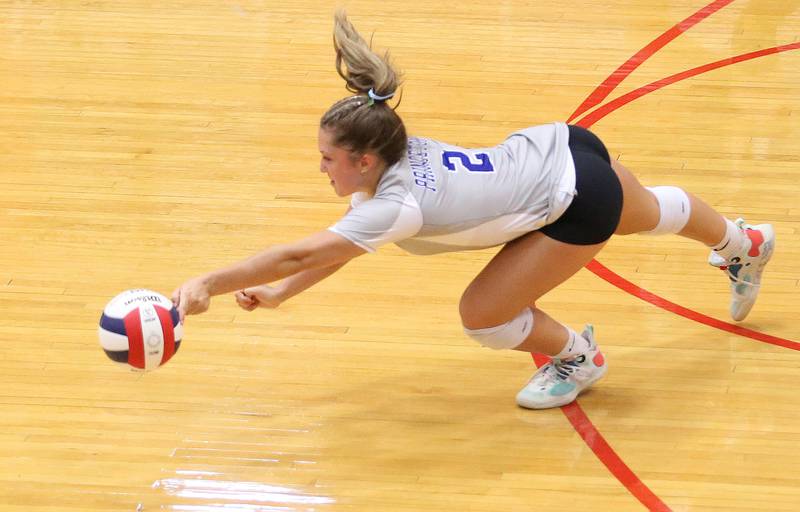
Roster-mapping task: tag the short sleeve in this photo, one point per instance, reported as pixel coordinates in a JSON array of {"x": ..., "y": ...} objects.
[{"x": 379, "y": 221}]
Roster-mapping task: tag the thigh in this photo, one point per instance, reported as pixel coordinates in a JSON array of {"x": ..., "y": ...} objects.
[
  {"x": 524, "y": 270},
  {"x": 640, "y": 211}
]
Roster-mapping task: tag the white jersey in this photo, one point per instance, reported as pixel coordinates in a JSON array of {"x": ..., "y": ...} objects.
[{"x": 442, "y": 198}]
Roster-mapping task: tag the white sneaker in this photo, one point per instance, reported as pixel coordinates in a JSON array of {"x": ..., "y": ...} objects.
[
  {"x": 560, "y": 382},
  {"x": 745, "y": 269}
]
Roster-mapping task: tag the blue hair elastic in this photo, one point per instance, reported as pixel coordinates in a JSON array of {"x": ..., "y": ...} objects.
[{"x": 374, "y": 97}]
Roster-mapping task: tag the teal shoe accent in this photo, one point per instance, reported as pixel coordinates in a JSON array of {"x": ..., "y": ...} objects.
[{"x": 562, "y": 388}]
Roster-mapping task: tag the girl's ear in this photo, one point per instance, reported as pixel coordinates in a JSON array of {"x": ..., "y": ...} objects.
[{"x": 367, "y": 161}]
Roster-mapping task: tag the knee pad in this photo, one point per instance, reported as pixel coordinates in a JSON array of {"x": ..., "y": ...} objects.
[
  {"x": 675, "y": 208},
  {"x": 506, "y": 336}
]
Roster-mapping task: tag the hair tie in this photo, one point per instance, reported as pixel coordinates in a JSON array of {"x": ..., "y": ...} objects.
[{"x": 375, "y": 98}]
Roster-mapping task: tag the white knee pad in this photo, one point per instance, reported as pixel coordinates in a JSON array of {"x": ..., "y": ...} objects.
[
  {"x": 675, "y": 208},
  {"x": 507, "y": 336}
]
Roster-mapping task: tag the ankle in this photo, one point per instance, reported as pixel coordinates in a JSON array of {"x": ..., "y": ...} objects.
[
  {"x": 575, "y": 346},
  {"x": 733, "y": 243}
]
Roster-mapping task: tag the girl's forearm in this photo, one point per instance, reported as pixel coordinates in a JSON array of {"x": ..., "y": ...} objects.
[
  {"x": 295, "y": 284},
  {"x": 269, "y": 265},
  {"x": 324, "y": 252}
]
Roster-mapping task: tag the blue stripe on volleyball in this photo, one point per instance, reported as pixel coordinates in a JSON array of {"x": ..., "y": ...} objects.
[
  {"x": 111, "y": 324},
  {"x": 120, "y": 356},
  {"x": 175, "y": 317}
]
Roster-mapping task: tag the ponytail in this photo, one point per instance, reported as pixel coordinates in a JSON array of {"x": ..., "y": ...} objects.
[{"x": 364, "y": 122}]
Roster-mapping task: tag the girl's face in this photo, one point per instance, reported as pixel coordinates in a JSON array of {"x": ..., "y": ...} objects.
[{"x": 348, "y": 173}]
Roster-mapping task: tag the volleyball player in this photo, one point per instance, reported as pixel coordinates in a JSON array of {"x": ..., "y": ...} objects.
[{"x": 549, "y": 194}]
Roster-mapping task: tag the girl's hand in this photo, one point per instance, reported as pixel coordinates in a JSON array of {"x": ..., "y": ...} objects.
[
  {"x": 258, "y": 297},
  {"x": 192, "y": 297}
]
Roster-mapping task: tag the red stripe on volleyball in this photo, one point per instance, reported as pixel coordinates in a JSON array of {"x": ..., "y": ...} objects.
[
  {"x": 169, "y": 333},
  {"x": 133, "y": 328}
]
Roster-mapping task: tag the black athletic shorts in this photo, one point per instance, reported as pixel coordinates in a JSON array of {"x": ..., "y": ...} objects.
[{"x": 594, "y": 213}]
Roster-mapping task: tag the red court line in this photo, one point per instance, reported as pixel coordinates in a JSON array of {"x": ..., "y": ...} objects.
[
  {"x": 626, "y": 285},
  {"x": 597, "y": 443},
  {"x": 611, "y": 106},
  {"x": 620, "y": 282},
  {"x": 621, "y": 73},
  {"x": 573, "y": 412}
]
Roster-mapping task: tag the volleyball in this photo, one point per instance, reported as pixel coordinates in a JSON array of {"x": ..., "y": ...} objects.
[{"x": 140, "y": 329}]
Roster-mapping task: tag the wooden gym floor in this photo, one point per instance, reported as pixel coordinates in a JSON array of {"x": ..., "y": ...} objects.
[{"x": 146, "y": 142}]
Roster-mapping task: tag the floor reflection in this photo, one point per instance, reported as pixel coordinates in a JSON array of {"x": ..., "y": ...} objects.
[{"x": 236, "y": 496}]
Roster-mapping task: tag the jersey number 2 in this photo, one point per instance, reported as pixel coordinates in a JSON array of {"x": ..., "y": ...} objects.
[{"x": 484, "y": 164}]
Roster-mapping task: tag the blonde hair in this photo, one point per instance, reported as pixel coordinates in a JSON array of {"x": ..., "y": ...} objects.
[
  {"x": 363, "y": 123},
  {"x": 361, "y": 68}
]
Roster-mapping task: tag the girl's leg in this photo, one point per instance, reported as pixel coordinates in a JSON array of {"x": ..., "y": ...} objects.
[
  {"x": 524, "y": 270},
  {"x": 498, "y": 307},
  {"x": 641, "y": 212},
  {"x": 740, "y": 250}
]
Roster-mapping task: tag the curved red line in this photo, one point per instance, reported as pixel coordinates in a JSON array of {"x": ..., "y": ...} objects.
[
  {"x": 573, "y": 412},
  {"x": 602, "y": 91},
  {"x": 613, "y": 105},
  {"x": 620, "y": 282}
]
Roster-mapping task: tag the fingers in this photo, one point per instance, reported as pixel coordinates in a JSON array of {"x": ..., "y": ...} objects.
[
  {"x": 176, "y": 301},
  {"x": 191, "y": 298},
  {"x": 180, "y": 303},
  {"x": 245, "y": 301}
]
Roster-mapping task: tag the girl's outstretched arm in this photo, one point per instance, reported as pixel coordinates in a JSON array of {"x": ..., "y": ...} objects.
[{"x": 320, "y": 250}]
